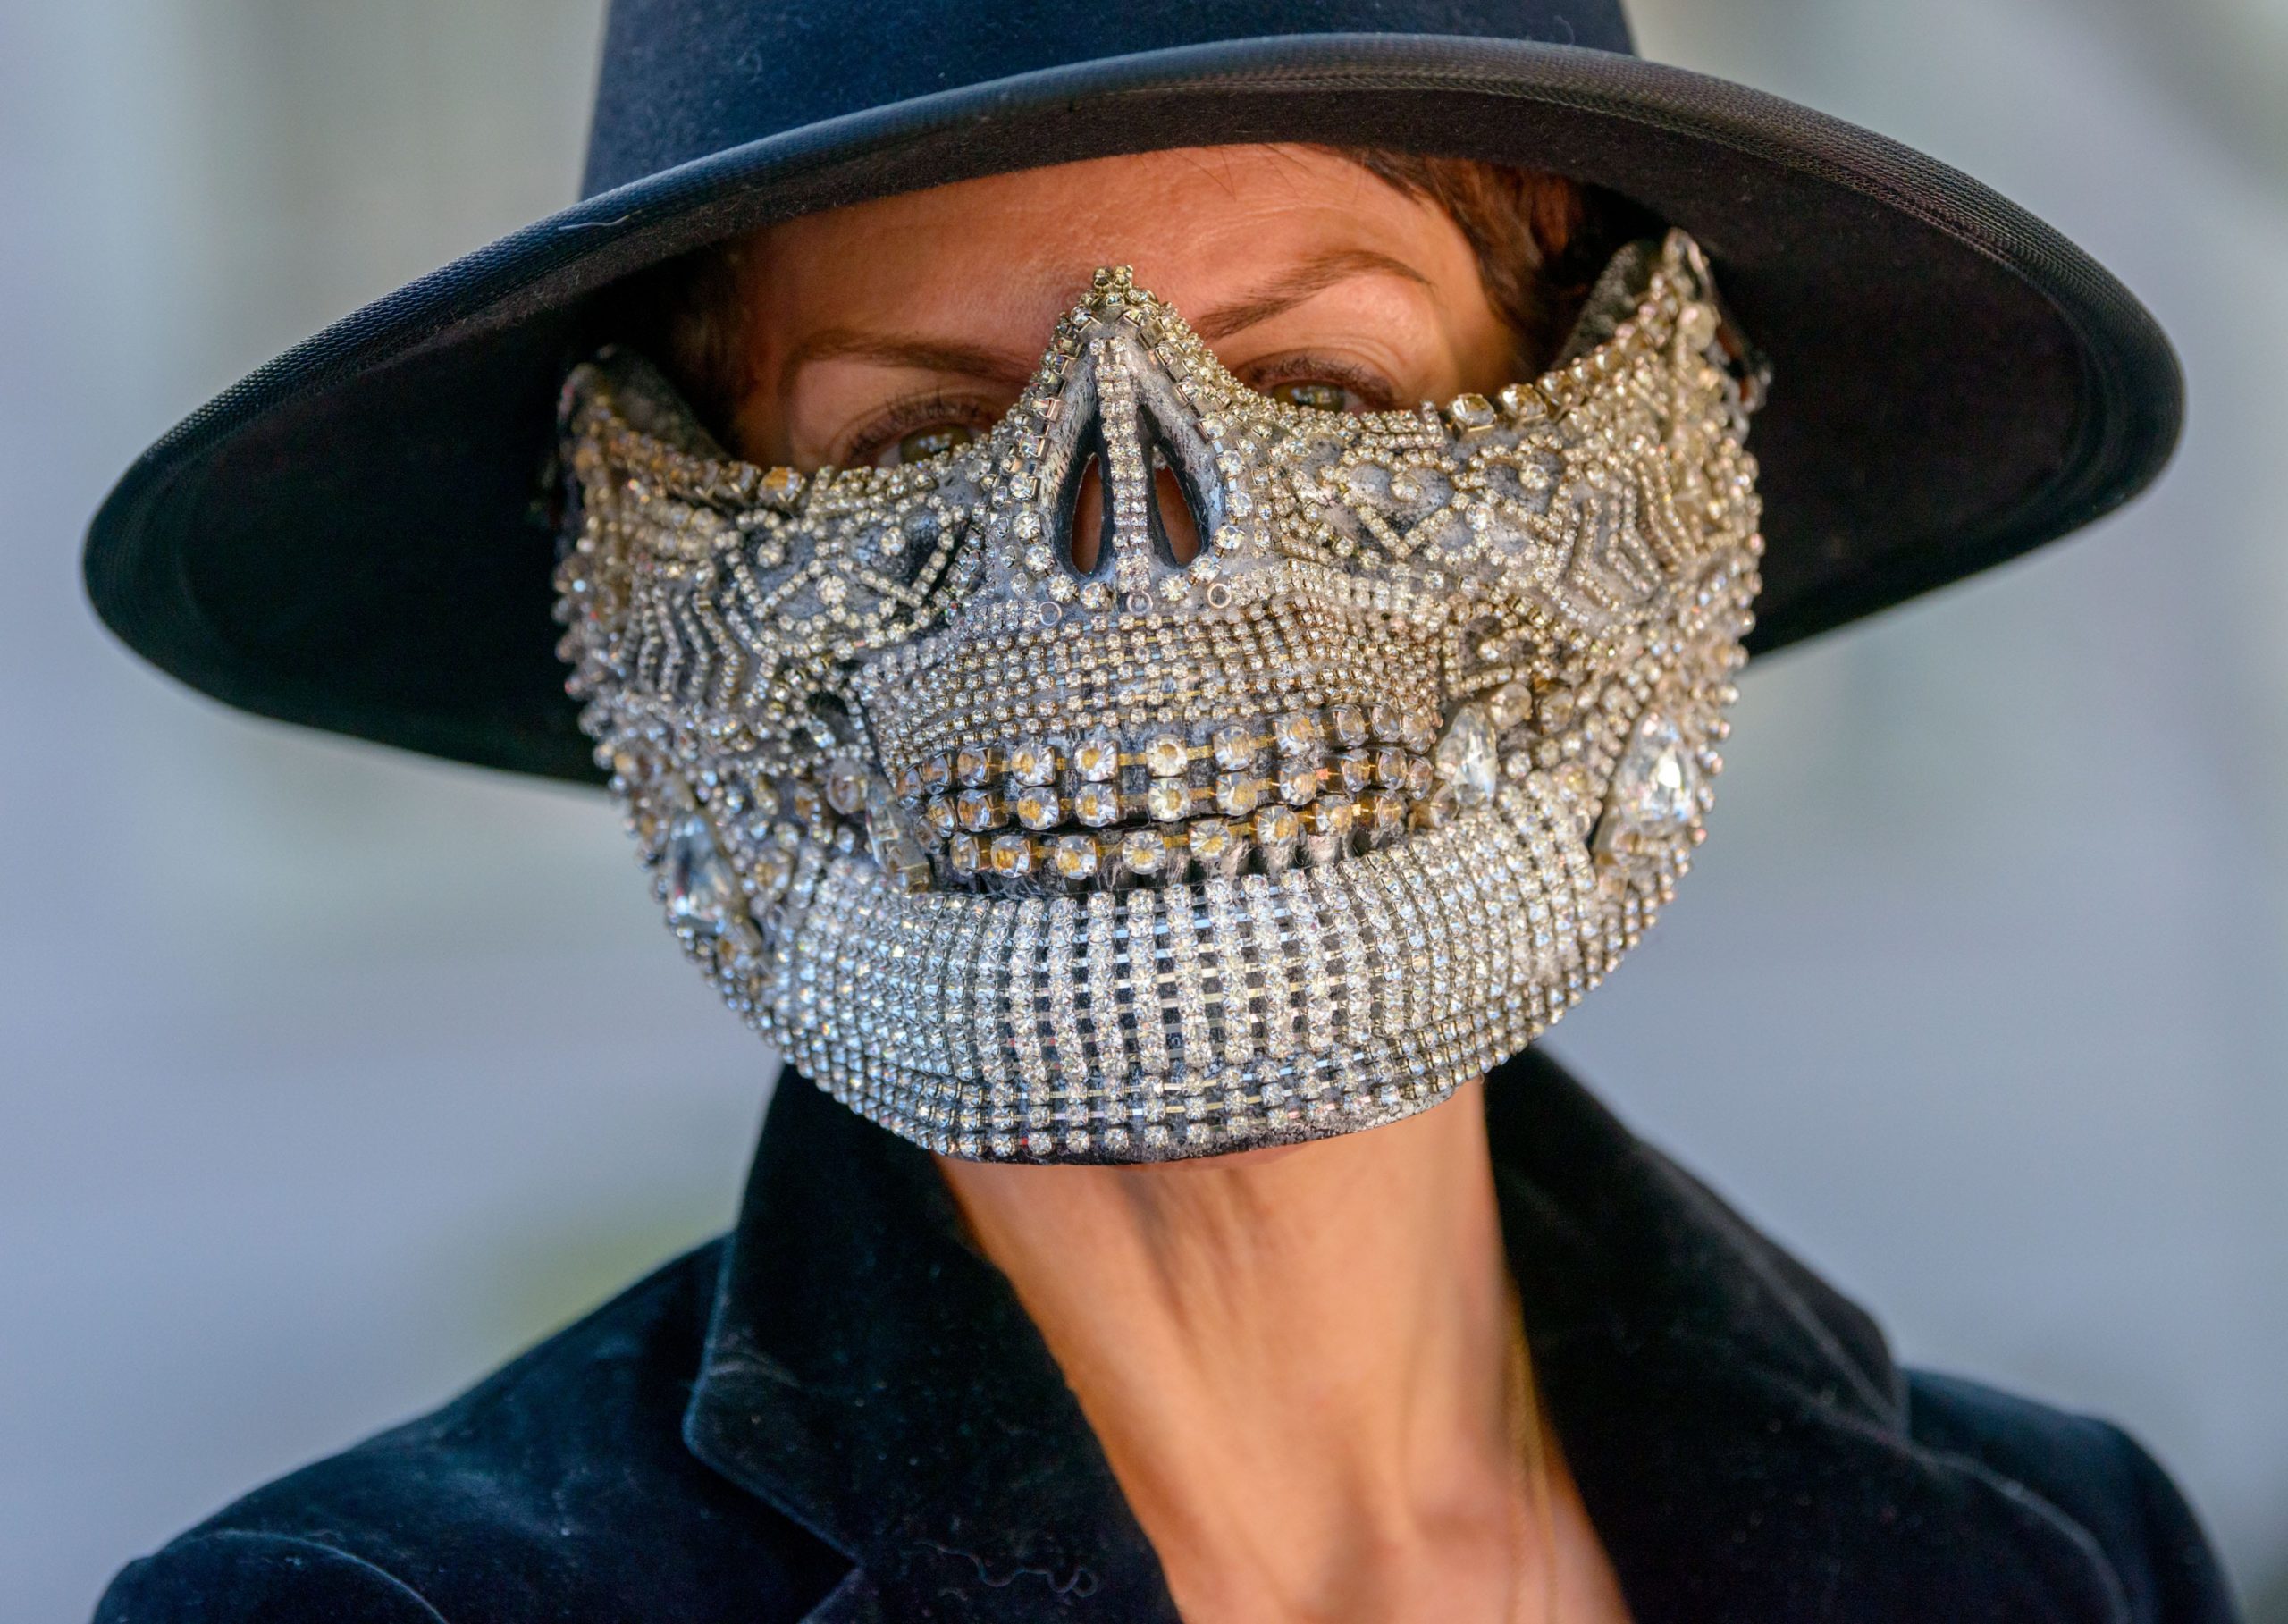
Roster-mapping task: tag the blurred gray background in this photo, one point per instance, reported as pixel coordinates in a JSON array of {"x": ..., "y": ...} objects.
[{"x": 330, "y": 1078}]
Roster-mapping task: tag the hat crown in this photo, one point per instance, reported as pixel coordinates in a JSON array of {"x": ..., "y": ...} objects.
[{"x": 683, "y": 79}]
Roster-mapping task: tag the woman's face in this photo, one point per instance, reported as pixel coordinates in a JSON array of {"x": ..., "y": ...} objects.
[{"x": 888, "y": 330}]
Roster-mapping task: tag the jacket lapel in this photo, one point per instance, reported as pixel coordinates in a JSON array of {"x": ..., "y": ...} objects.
[
  {"x": 1738, "y": 1430},
  {"x": 872, "y": 1376}
]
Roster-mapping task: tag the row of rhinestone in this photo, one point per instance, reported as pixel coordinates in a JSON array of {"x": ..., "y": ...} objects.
[
  {"x": 1097, "y": 756},
  {"x": 1277, "y": 836},
  {"x": 1014, "y": 682},
  {"x": 1173, "y": 800},
  {"x": 1022, "y": 785}
]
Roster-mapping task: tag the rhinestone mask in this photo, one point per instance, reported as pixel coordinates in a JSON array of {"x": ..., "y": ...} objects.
[{"x": 1167, "y": 856}]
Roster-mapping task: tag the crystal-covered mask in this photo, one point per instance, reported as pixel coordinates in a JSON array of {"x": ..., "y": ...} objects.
[{"x": 1167, "y": 856}]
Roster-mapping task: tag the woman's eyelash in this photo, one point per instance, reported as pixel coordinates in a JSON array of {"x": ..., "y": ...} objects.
[
  {"x": 900, "y": 418},
  {"x": 1374, "y": 391}
]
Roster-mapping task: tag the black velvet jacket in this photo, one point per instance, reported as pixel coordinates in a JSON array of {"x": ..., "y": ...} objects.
[{"x": 841, "y": 1414}]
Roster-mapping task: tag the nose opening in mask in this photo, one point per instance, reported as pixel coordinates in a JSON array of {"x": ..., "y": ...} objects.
[
  {"x": 1088, "y": 527},
  {"x": 1083, "y": 517},
  {"x": 1173, "y": 508}
]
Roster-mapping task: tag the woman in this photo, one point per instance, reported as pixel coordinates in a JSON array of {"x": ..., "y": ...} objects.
[{"x": 1078, "y": 706}]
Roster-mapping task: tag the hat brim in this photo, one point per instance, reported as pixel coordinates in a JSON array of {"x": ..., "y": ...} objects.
[{"x": 347, "y": 538}]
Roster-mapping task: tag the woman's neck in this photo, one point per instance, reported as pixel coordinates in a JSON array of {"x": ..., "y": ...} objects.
[{"x": 1300, "y": 1363}]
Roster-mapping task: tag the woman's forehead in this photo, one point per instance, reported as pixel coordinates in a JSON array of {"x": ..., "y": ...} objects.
[{"x": 1206, "y": 229}]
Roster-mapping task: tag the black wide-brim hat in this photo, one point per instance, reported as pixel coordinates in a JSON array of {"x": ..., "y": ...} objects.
[{"x": 348, "y": 538}]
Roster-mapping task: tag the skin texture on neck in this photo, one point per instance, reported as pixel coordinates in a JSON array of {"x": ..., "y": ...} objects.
[
  {"x": 1298, "y": 1364},
  {"x": 1302, "y": 1363}
]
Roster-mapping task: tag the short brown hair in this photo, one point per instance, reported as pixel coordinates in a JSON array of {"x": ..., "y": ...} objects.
[{"x": 1540, "y": 240}]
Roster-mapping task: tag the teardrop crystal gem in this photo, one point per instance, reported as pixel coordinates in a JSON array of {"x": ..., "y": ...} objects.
[
  {"x": 898, "y": 839},
  {"x": 1467, "y": 759},
  {"x": 701, "y": 891},
  {"x": 1656, "y": 789}
]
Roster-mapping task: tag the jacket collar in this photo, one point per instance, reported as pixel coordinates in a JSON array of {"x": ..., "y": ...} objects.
[
  {"x": 871, "y": 1375},
  {"x": 1737, "y": 1428}
]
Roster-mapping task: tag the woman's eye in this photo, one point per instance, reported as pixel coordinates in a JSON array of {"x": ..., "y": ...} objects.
[
  {"x": 932, "y": 440},
  {"x": 1319, "y": 396},
  {"x": 1319, "y": 383}
]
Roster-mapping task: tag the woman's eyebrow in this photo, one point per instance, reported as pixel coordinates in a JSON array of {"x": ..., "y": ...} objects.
[
  {"x": 924, "y": 353},
  {"x": 1312, "y": 276},
  {"x": 915, "y": 350}
]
